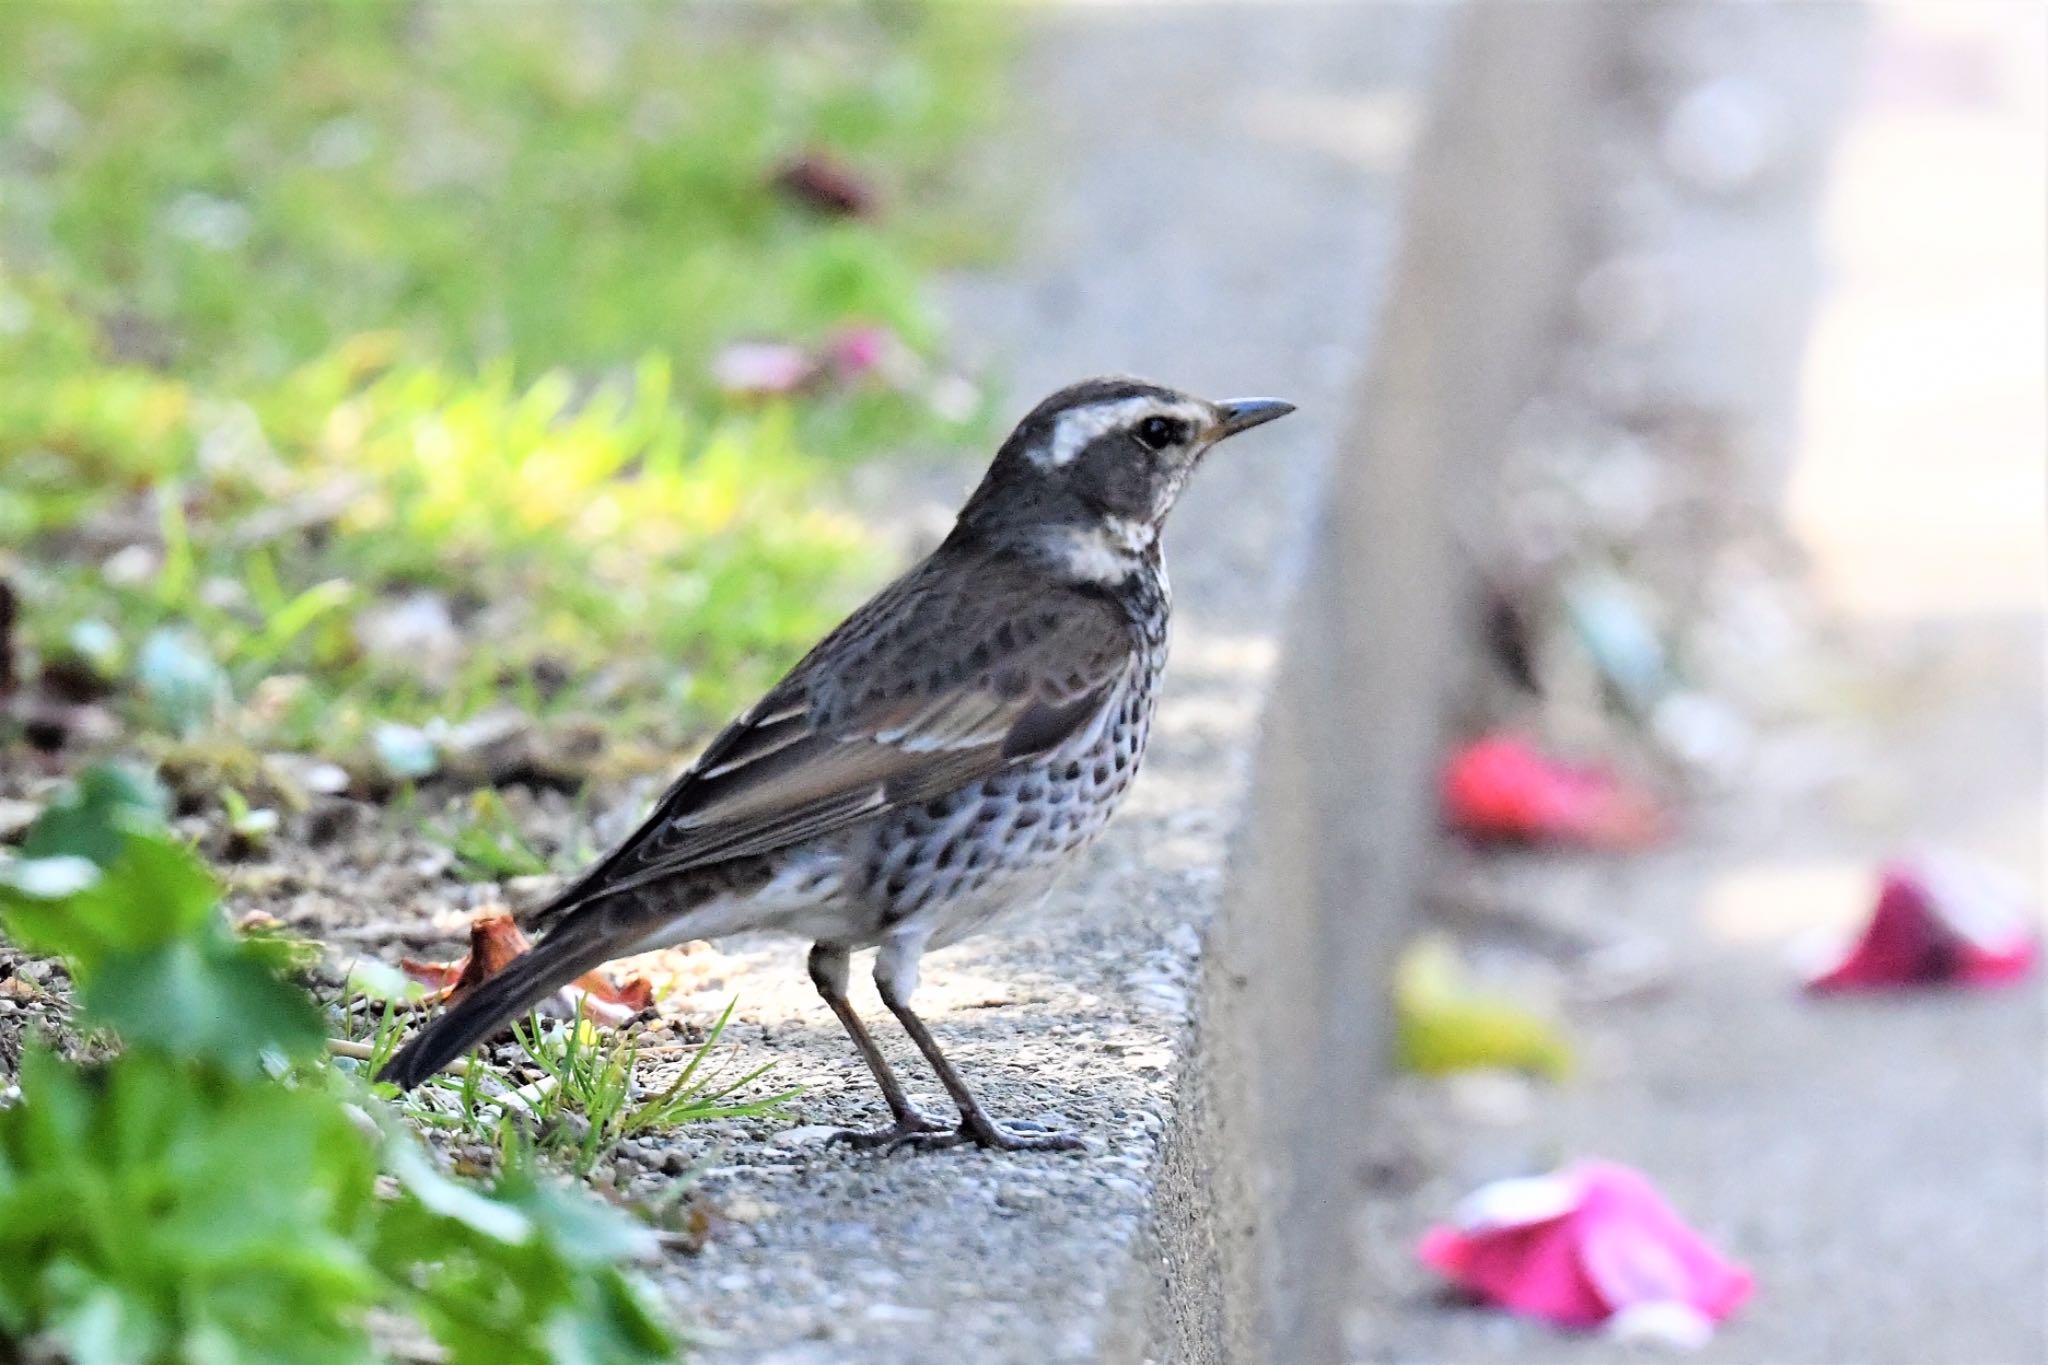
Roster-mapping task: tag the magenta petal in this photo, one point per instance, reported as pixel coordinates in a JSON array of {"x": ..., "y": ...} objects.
[
  {"x": 2002, "y": 967},
  {"x": 1988, "y": 914},
  {"x": 857, "y": 350},
  {"x": 1530, "y": 1270},
  {"x": 1619, "y": 1247},
  {"x": 1512, "y": 1245},
  {"x": 1937, "y": 921},
  {"x": 1636, "y": 1250}
]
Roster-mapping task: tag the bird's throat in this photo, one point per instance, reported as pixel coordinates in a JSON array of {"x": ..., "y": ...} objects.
[{"x": 1104, "y": 552}]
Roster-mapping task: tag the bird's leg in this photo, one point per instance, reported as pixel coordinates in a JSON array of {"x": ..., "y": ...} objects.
[
  {"x": 896, "y": 978},
  {"x": 828, "y": 974}
]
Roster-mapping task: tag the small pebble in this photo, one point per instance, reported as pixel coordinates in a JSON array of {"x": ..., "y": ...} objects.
[
  {"x": 1722, "y": 137},
  {"x": 1014, "y": 1196},
  {"x": 890, "y": 1312},
  {"x": 743, "y": 1208},
  {"x": 1497, "y": 1099}
]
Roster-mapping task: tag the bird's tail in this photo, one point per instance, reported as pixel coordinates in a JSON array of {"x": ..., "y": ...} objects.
[{"x": 530, "y": 978}]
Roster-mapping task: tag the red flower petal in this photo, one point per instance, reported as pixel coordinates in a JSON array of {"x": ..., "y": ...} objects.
[{"x": 1504, "y": 788}]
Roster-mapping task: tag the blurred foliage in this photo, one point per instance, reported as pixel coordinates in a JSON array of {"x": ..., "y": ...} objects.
[
  {"x": 487, "y": 845},
  {"x": 238, "y": 184},
  {"x": 356, "y": 373},
  {"x": 306, "y": 308},
  {"x": 661, "y": 563},
  {"x": 216, "y": 1191}
]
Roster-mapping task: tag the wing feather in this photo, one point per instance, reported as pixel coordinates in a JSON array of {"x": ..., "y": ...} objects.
[{"x": 951, "y": 674}]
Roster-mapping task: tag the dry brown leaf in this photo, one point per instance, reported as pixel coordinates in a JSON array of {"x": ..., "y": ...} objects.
[{"x": 494, "y": 941}]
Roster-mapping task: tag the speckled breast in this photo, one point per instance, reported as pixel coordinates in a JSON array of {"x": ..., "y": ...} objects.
[{"x": 963, "y": 859}]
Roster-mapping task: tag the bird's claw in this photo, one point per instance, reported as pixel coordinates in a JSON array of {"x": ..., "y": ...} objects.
[
  {"x": 907, "y": 1127},
  {"x": 1020, "y": 1136}
]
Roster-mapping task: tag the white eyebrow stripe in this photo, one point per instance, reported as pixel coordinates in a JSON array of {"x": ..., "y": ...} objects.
[{"x": 1074, "y": 430}]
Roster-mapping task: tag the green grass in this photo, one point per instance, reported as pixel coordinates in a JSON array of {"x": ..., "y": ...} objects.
[
  {"x": 591, "y": 1077},
  {"x": 309, "y": 307},
  {"x": 487, "y": 844},
  {"x": 612, "y": 555},
  {"x": 243, "y": 183},
  {"x": 590, "y": 1097}
]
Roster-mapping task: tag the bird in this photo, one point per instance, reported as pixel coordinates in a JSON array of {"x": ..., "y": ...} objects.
[{"x": 930, "y": 766}]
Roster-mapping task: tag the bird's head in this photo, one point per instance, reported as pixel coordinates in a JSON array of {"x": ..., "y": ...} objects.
[{"x": 1100, "y": 463}]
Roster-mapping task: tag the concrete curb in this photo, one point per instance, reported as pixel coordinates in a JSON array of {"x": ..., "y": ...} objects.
[{"x": 1207, "y": 1005}]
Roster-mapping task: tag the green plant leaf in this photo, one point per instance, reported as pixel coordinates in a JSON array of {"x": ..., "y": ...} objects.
[
  {"x": 215, "y": 1001},
  {"x": 450, "y": 1199},
  {"x": 145, "y": 1207},
  {"x": 150, "y": 892},
  {"x": 88, "y": 820}
]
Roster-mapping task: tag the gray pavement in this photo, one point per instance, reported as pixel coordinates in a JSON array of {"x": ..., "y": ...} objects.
[{"x": 1881, "y": 1164}]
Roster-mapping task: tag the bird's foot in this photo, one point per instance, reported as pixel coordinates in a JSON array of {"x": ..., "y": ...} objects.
[
  {"x": 1021, "y": 1135},
  {"x": 907, "y": 1128}
]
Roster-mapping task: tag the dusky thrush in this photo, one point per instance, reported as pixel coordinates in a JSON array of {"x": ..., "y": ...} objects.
[{"x": 930, "y": 764}]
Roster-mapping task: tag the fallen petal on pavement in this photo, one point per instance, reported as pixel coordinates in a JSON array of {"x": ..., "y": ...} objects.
[
  {"x": 1938, "y": 921},
  {"x": 1592, "y": 1245},
  {"x": 1503, "y": 788},
  {"x": 762, "y": 369},
  {"x": 1445, "y": 1023}
]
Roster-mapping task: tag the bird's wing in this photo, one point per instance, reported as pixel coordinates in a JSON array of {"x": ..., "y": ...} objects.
[{"x": 954, "y": 673}]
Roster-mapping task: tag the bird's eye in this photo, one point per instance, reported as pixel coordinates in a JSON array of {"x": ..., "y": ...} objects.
[{"x": 1157, "y": 433}]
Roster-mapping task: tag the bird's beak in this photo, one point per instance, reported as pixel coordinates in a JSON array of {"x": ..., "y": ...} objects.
[{"x": 1242, "y": 414}]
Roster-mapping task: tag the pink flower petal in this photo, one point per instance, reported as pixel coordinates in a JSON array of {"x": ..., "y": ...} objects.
[
  {"x": 761, "y": 368},
  {"x": 1517, "y": 1203},
  {"x": 1618, "y": 1246},
  {"x": 856, "y": 351},
  {"x": 1532, "y": 1270},
  {"x": 1987, "y": 911},
  {"x": 1937, "y": 921},
  {"x": 1635, "y": 1249}
]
